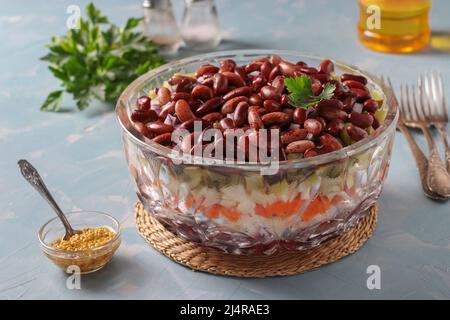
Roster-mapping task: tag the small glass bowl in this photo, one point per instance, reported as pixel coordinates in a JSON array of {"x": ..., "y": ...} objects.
[{"x": 89, "y": 260}]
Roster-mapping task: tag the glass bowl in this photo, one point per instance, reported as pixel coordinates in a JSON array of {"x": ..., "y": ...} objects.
[
  {"x": 89, "y": 260},
  {"x": 233, "y": 207}
]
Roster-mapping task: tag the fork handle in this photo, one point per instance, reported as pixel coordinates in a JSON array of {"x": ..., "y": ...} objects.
[
  {"x": 438, "y": 179},
  {"x": 419, "y": 157},
  {"x": 444, "y": 136}
]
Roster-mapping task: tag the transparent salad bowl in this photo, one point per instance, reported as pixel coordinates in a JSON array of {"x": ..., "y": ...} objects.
[{"x": 237, "y": 209}]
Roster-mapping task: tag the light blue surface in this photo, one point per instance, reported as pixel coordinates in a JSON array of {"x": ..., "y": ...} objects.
[{"x": 80, "y": 156}]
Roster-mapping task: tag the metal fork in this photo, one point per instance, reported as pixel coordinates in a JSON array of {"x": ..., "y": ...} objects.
[
  {"x": 437, "y": 108},
  {"x": 437, "y": 178},
  {"x": 419, "y": 156}
]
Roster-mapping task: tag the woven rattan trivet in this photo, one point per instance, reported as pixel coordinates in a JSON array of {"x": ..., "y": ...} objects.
[{"x": 200, "y": 258}]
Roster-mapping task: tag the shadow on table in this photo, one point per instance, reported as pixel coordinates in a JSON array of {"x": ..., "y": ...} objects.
[{"x": 113, "y": 276}]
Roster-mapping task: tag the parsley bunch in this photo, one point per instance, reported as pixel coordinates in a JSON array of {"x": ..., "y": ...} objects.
[
  {"x": 98, "y": 60},
  {"x": 301, "y": 94}
]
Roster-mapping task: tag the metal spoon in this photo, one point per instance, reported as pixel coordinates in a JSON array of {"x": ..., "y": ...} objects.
[{"x": 33, "y": 177}]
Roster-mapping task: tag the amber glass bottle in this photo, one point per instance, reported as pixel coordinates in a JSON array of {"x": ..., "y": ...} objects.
[{"x": 397, "y": 26}]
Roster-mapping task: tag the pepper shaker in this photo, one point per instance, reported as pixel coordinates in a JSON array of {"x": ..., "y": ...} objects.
[
  {"x": 160, "y": 25},
  {"x": 200, "y": 25}
]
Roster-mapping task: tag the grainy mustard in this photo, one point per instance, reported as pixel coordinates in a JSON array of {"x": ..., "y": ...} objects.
[{"x": 89, "y": 238}]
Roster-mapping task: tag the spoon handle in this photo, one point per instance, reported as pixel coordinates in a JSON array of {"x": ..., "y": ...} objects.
[{"x": 33, "y": 177}]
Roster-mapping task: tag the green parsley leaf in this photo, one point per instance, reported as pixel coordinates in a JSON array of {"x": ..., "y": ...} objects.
[
  {"x": 301, "y": 95},
  {"x": 53, "y": 101}
]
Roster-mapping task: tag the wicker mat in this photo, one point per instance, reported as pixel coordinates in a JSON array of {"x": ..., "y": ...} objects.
[{"x": 200, "y": 258}]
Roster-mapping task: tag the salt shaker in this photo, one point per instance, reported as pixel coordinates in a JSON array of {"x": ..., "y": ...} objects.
[
  {"x": 200, "y": 26},
  {"x": 160, "y": 25}
]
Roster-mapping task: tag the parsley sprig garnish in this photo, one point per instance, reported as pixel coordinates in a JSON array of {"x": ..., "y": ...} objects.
[
  {"x": 301, "y": 94},
  {"x": 98, "y": 60}
]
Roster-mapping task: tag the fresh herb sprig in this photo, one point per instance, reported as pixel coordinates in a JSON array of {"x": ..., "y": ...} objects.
[
  {"x": 98, "y": 60},
  {"x": 301, "y": 94}
]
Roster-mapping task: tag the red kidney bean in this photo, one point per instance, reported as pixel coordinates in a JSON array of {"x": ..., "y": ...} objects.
[
  {"x": 370, "y": 105},
  {"x": 284, "y": 100},
  {"x": 227, "y": 123},
  {"x": 207, "y": 68},
  {"x": 332, "y": 103},
  {"x": 334, "y": 127},
  {"x": 240, "y": 71},
  {"x": 183, "y": 111},
  {"x": 361, "y": 95},
  {"x": 275, "y": 59},
  {"x": 185, "y": 85},
  {"x": 299, "y": 115},
  {"x": 207, "y": 79},
  {"x": 181, "y": 95},
  {"x": 252, "y": 67},
  {"x": 299, "y": 146},
  {"x": 159, "y": 127},
  {"x": 144, "y": 116},
  {"x": 142, "y": 128},
  {"x": 227, "y": 65},
  {"x": 255, "y": 100},
  {"x": 143, "y": 102},
  {"x": 309, "y": 70},
  {"x": 258, "y": 109},
  {"x": 190, "y": 124},
  {"x": 270, "y": 93},
  {"x": 166, "y": 109},
  {"x": 259, "y": 82},
  {"x": 355, "y": 132},
  {"x": 322, "y": 121},
  {"x": 376, "y": 123},
  {"x": 316, "y": 88},
  {"x": 276, "y": 71},
  {"x": 254, "y": 120},
  {"x": 362, "y": 120},
  {"x": 231, "y": 104},
  {"x": 291, "y": 135},
  {"x": 212, "y": 117},
  {"x": 241, "y": 113},
  {"x": 322, "y": 77},
  {"x": 209, "y": 106},
  {"x": 278, "y": 84},
  {"x": 326, "y": 66},
  {"x": 330, "y": 141},
  {"x": 354, "y": 77},
  {"x": 340, "y": 91},
  {"x": 220, "y": 83},
  {"x": 271, "y": 106},
  {"x": 266, "y": 69},
  {"x": 289, "y": 112},
  {"x": 312, "y": 113},
  {"x": 202, "y": 92},
  {"x": 238, "y": 92},
  {"x": 330, "y": 113},
  {"x": 234, "y": 79},
  {"x": 275, "y": 118},
  {"x": 349, "y": 102},
  {"x": 354, "y": 84},
  {"x": 163, "y": 139},
  {"x": 288, "y": 68},
  {"x": 163, "y": 96},
  {"x": 176, "y": 79},
  {"x": 313, "y": 126}
]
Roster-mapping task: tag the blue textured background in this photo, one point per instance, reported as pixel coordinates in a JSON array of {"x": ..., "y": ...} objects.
[{"x": 80, "y": 155}]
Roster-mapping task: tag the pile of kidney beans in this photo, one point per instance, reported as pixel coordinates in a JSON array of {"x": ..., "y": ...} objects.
[{"x": 254, "y": 96}]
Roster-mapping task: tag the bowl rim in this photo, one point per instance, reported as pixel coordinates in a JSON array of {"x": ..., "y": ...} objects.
[
  {"x": 49, "y": 249},
  {"x": 353, "y": 149}
]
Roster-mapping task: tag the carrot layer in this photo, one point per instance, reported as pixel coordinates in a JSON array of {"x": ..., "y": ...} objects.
[
  {"x": 279, "y": 208},
  {"x": 320, "y": 204}
]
